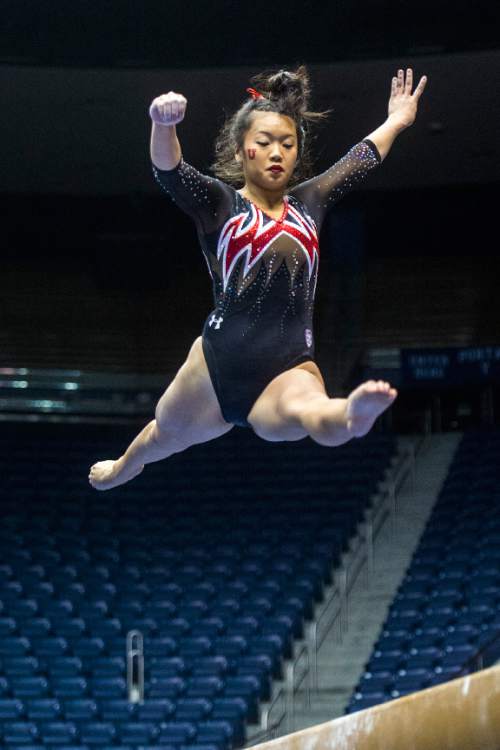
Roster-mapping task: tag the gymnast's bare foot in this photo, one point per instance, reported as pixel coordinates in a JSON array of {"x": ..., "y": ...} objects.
[
  {"x": 105, "y": 475},
  {"x": 366, "y": 403}
]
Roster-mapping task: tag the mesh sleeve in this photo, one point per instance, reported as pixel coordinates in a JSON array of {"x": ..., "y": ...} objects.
[
  {"x": 320, "y": 193},
  {"x": 205, "y": 199}
]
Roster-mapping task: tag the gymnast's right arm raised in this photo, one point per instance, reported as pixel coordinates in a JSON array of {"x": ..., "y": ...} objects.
[
  {"x": 166, "y": 111},
  {"x": 205, "y": 199}
]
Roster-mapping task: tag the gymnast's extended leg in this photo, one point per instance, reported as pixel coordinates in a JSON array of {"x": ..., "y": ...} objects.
[
  {"x": 295, "y": 405},
  {"x": 188, "y": 413}
]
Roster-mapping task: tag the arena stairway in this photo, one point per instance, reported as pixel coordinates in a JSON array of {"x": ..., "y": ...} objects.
[{"x": 446, "y": 608}]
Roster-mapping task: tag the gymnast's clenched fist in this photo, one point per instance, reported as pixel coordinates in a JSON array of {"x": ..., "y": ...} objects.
[{"x": 168, "y": 109}]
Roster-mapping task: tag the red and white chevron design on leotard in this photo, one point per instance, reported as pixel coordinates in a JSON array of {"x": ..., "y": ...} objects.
[{"x": 241, "y": 234}]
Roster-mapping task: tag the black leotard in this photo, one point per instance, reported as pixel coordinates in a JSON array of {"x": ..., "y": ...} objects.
[{"x": 264, "y": 272}]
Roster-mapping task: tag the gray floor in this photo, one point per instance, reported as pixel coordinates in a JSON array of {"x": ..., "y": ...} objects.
[{"x": 341, "y": 663}]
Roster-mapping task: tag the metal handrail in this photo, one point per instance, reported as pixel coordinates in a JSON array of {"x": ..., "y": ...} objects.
[
  {"x": 294, "y": 680},
  {"x": 135, "y": 666},
  {"x": 269, "y": 724},
  {"x": 347, "y": 574},
  {"x": 316, "y": 634}
]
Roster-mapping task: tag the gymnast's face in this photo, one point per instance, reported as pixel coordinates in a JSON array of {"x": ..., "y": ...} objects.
[{"x": 270, "y": 142}]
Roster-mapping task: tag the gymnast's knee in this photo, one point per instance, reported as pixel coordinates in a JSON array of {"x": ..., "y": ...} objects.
[
  {"x": 318, "y": 424},
  {"x": 303, "y": 409},
  {"x": 163, "y": 438}
]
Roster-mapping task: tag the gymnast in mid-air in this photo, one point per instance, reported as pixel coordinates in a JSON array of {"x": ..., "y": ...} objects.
[{"x": 258, "y": 222}]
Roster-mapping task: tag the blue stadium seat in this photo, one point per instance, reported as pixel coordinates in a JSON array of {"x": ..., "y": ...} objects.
[
  {"x": 80, "y": 709},
  {"x": 160, "y": 646},
  {"x": 14, "y": 646},
  {"x": 109, "y": 628},
  {"x": 166, "y": 666},
  {"x": 260, "y": 667},
  {"x": 216, "y": 732},
  {"x": 161, "y": 610},
  {"x": 166, "y": 687},
  {"x": 8, "y": 626},
  {"x": 194, "y": 611},
  {"x": 148, "y": 626},
  {"x": 93, "y": 613},
  {"x": 194, "y": 647},
  {"x": 209, "y": 666},
  {"x": 458, "y": 655},
  {"x": 43, "y": 708},
  {"x": 411, "y": 680},
  {"x": 55, "y": 733},
  {"x": 244, "y": 626},
  {"x": 176, "y": 733},
  {"x": 207, "y": 627},
  {"x": 376, "y": 682},
  {"x": 65, "y": 666},
  {"x": 87, "y": 648},
  {"x": 203, "y": 746},
  {"x": 25, "y": 687},
  {"x": 281, "y": 627},
  {"x": 423, "y": 658},
  {"x": 69, "y": 687},
  {"x": 230, "y": 646},
  {"x": 192, "y": 709},
  {"x": 6, "y": 572},
  {"x": 204, "y": 687},
  {"x": 247, "y": 688},
  {"x": 58, "y": 609},
  {"x": 233, "y": 710},
  {"x": 395, "y": 640},
  {"x": 19, "y": 733},
  {"x": 11, "y": 590},
  {"x": 96, "y": 733},
  {"x": 70, "y": 627},
  {"x": 106, "y": 666},
  {"x": 270, "y": 645},
  {"x": 444, "y": 674},
  {"x": 36, "y": 627},
  {"x": 11, "y": 708},
  {"x": 138, "y": 732},
  {"x": 156, "y": 709},
  {"x": 21, "y": 665},
  {"x": 387, "y": 660},
  {"x": 50, "y": 646},
  {"x": 40, "y": 591},
  {"x": 117, "y": 709},
  {"x": 360, "y": 701},
  {"x": 176, "y": 628},
  {"x": 135, "y": 590},
  {"x": 130, "y": 611},
  {"x": 108, "y": 687}
]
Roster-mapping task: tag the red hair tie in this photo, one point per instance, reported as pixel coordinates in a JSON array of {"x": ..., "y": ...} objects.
[{"x": 255, "y": 94}]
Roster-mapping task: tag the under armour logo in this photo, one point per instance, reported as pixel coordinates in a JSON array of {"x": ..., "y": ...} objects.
[{"x": 215, "y": 320}]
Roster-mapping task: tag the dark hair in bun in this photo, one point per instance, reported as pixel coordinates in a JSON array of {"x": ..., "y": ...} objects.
[{"x": 285, "y": 92}]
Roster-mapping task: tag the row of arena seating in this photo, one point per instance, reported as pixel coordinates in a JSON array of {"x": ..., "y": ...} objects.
[
  {"x": 217, "y": 556},
  {"x": 448, "y": 605}
]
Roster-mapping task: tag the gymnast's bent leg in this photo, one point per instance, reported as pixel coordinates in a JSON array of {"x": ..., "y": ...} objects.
[
  {"x": 295, "y": 405},
  {"x": 188, "y": 413}
]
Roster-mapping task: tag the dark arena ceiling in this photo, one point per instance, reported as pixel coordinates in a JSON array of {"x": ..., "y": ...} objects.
[
  {"x": 187, "y": 33},
  {"x": 77, "y": 79}
]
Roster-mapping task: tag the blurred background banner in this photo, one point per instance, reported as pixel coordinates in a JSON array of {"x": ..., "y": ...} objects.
[{"x": 453, "y": 366}]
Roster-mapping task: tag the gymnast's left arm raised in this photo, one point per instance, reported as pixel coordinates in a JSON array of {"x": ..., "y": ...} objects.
[{"x": 402, "y": 110}]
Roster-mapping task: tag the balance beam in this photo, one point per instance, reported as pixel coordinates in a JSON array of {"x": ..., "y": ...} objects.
[{"x": 463, "y": 714}]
